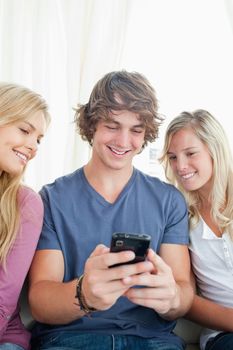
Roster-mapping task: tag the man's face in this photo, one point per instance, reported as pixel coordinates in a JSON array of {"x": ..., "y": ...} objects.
[{"x": 118, "y": 140}]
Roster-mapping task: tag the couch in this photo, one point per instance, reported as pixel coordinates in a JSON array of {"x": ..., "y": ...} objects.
[
  {"x": 190, "y": 332},
  {"x": 187, "y": 330}
]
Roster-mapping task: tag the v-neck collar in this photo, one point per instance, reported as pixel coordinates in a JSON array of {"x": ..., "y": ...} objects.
[{"x": 93, "y": 193}]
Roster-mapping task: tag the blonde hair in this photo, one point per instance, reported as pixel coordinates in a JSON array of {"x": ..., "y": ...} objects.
[
  {"x": 16, "y": 103},
  {"x": 212, "y": 134}
]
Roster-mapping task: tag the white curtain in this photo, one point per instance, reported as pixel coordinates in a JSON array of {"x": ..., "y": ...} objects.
[
  {"x": 229, "y": 11},
  {"x": 60, "y": 48}
]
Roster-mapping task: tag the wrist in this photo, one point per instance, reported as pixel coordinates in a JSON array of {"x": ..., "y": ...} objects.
[
  {"x": 81, "y": 298},
  {"x": 172, "y": 309}
]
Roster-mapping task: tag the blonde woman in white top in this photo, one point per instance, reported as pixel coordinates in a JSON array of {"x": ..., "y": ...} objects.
[{"x": 197, "y": 159}]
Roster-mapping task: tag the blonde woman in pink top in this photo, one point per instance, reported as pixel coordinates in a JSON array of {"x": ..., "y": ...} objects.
[{"x": 23, "y": 121}]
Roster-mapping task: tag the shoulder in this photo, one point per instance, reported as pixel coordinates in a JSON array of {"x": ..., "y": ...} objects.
[
  {"x": 65, "y": 183},
  {"x": 160, "y": 187},
  {"x": 27, "y": 195},
  {"x": 30, "y": 204}
]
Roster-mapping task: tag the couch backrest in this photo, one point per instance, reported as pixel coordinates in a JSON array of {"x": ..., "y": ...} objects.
[{"x": 24, "y": 307}]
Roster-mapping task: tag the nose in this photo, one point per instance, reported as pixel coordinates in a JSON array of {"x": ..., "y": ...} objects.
[
  {"x": 181, "y": 163},
  {"x": 32, "y": 145},
  {"x": 123, "y": 139}
]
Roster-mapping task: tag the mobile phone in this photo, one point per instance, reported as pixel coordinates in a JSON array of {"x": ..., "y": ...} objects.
[{"x": 138, "y": 243}]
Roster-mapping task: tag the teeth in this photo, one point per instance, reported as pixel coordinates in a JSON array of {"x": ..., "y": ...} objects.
[
  {"x": 20, "y": 155},
  {"x": 120, "y": 153},
  {"x": 187, "y": 176}
]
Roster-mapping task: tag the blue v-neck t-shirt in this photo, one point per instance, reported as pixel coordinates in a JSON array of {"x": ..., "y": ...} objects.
[{"x": 77, "y": 219}]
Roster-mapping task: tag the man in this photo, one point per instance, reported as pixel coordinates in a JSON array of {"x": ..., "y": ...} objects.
[{"x": 80, "y": 302}]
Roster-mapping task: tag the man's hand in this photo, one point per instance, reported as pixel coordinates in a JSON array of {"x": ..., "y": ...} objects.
[
  {"x": 102, "y": 284},
  {"x": 159, "y": 290}
]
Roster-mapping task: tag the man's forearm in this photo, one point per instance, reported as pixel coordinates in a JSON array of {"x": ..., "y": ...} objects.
[{"x": 54, "y": 302}]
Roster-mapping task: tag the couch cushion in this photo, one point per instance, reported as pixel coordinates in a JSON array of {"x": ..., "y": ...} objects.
[
  {"x": 189, "y": 331},
  {"x": 192, "y": 347}
]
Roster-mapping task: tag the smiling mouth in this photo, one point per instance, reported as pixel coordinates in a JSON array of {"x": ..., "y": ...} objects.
[
  {"x": 187, "y": 176},
  {"x": 22, "y": 156},
  {"x": 117, "y": 151}
]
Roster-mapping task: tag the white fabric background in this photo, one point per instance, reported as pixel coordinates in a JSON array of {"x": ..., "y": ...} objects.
[{"x": 60, "y": 48}]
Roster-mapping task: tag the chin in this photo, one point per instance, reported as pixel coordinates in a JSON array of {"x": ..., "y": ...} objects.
[
  {"x": 15, "y": 172},
  {"x": 190, "y": 188}
]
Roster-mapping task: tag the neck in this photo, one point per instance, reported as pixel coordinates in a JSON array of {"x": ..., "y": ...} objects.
[
  {"x": 205, "y": 198},
  {"x": 109, "y": 183}
]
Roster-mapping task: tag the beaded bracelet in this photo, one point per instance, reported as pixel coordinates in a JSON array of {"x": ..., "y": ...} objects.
[{"x": 81, "y": 299}]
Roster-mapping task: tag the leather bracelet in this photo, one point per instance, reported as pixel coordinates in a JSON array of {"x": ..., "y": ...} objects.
[{"x": 81, "y": 299}]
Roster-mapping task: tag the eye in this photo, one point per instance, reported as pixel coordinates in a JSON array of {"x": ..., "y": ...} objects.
[
  {"x": 190, "y": 154},
  {"x": 24, "y": 131},
  {"x": 138, "y": 131},
  {"x": 111, "y": 127},
  {"x": 172, "y": 157}
]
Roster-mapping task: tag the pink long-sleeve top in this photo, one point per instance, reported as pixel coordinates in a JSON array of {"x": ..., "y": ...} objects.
[{"x": 17, "y": 266}]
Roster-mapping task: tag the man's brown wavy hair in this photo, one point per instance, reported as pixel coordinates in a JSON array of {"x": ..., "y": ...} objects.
[{"x": 116, "y": 91}]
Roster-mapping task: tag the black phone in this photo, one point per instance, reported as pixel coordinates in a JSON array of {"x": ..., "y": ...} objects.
[{"x": 138, "y": 243}]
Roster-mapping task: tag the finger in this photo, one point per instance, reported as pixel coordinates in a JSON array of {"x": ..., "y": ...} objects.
[
  {"x": 160, "y": 306},
  {"x": 159, "y": 265},
  {"x": 104, "y": 301},
  {"x": 144, "y": 279},
  {"x": 120, "y": 257},
  {"x": 99, "y": 250},
  {"x": 101, "y": 259},
  {"x": 119, "y": 272},
  {"x": 103, "y": 282},
  {"x": 129, "y": 270},
  {"x": 150, "y": 293}
]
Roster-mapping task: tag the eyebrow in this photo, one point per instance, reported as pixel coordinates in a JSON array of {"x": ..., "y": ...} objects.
[
  {"x": 32, "y": 126},
  {"x": 185, "y": 149},
  {"x": 141, "y": 125}
]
